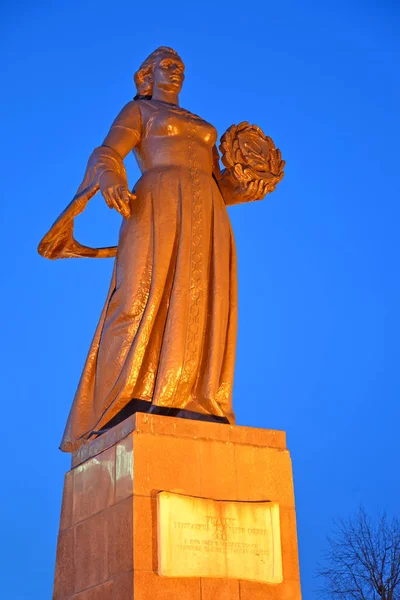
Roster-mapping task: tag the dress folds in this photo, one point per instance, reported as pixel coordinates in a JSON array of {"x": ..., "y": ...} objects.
[{"x": 167, "y": 333}]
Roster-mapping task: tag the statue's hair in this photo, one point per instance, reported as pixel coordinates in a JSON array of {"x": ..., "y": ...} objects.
[{"x": 143, "y": 77}]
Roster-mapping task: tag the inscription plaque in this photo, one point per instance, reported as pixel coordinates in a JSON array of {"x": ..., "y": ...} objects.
[{"x": 200, "y": 537}]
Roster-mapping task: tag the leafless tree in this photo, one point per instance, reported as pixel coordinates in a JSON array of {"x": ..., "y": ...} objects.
[{"x": 362, "y": 560}]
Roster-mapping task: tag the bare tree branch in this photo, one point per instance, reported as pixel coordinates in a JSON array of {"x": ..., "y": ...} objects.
[{"x": 362, "y": 559}]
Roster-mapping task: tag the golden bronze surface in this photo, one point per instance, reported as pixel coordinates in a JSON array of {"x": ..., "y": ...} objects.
[{"x": 167, "y": 333}]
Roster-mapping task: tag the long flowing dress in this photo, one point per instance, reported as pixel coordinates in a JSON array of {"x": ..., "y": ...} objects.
[{"x": 167, "y": 333}]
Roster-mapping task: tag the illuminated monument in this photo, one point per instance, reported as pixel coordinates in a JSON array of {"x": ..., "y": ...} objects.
[{"x": 167, "y": 497}]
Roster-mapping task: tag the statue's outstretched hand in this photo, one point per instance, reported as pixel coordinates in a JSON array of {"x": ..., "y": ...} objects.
[{"x": 119, "y": 197}]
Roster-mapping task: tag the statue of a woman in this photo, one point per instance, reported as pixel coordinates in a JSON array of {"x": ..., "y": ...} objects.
[{"x": 166, "y": 337}]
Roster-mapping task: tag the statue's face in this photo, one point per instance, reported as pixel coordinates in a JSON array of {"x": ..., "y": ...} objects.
[{"x": 169, "y": 74}]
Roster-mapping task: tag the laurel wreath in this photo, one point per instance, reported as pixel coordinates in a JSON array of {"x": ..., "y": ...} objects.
[{"x": 250, "y": 156}]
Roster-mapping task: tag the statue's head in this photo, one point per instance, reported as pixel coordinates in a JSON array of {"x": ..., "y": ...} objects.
[{"x": 164, "y": 69}]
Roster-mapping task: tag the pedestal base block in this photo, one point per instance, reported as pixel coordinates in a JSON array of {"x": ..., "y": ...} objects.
[{"x": 108, "y": 539}]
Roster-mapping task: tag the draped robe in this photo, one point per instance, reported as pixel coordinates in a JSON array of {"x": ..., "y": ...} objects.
[{"x": 167, "y": 333}]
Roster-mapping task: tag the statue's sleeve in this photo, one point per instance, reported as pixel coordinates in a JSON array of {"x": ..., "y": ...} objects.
[
  {"x": 125, "y": 132},
  {"x": 216, "y": 165},
  {"x": 226, "y": 185},
  {"x": 123, "y": 136},
  {"x": 105, "y": 168}
]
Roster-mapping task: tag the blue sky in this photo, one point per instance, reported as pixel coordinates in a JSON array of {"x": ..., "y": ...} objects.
[{"x": 318, "y": 347}]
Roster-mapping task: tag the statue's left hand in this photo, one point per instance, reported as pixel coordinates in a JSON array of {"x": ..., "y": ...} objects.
[
  {"x": 119, "y": 197},
  {"x": 251, "y": 191}
]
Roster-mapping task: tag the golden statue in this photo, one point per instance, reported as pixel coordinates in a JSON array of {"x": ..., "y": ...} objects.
[{"x": 166, "y": 338}]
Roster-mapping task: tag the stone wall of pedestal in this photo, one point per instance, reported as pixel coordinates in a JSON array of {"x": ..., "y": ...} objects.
[{"x": 107, "y": 545}]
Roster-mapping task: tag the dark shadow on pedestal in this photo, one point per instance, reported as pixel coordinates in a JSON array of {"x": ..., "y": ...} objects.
[{"x": 142, "y": 406}]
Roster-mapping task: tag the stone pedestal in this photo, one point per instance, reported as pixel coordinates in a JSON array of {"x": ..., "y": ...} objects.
[{"x": 107, "y": 544}]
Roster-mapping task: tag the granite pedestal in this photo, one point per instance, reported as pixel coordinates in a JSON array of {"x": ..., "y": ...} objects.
[{"x": 107, "y": 544}]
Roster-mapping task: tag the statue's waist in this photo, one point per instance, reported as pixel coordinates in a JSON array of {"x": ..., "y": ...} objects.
[{"x": 188, "y": 156}]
